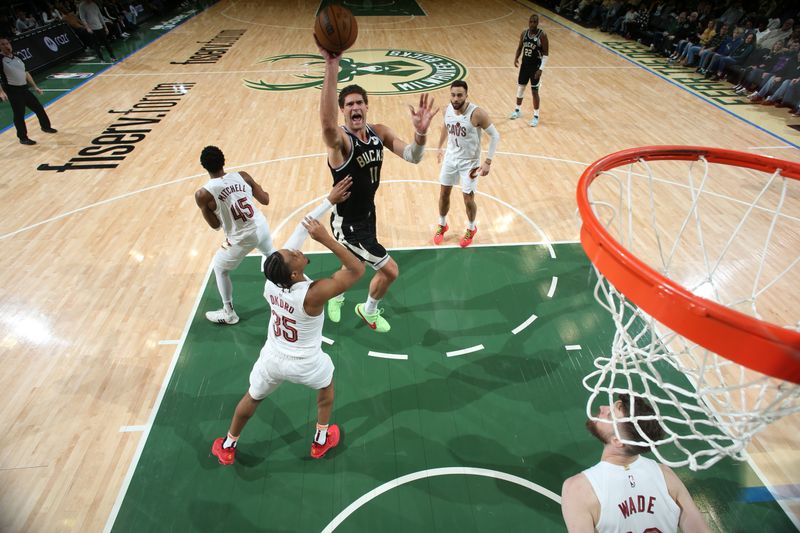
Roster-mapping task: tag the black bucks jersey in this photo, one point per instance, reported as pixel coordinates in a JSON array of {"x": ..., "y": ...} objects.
[
  {"x": 532, "y": 48},
  {"x": 364, "y": 166}
]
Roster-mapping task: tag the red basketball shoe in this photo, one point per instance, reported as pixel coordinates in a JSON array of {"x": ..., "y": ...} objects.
[
  {"x": 318, "y": 450},
  {"x": 225, "y": 456}
]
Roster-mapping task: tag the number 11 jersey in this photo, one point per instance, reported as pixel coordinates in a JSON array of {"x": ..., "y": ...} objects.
[
  {"x": 364, "y": 166},
  {"x": 236, "y": 208}
]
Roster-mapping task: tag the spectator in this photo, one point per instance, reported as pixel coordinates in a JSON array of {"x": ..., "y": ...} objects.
[
  {"x": 785, "y": 94},
  {"x": 764, "y": 28},
  {"x": 733, "y": 14},
  {"x": 704, "y": 13},
  {"x": 751, "y": 76},
  {"x": 778, "y": 34},
  {"x": 711, "y": 45},
  {"x": 25, "y": 22},
  {"x": 719, "y": 63},
  {"x": 701, "y": 38},
  {"x": 737, "y": 73},
  {"x": 609, "y": 13},
  {"x": 50, "y": 14},
  {"x": 69, "y": 16},
  {"x": 770, "y": 81},
  {"x": 95, "y": 24},
  {"x": 727, "y": 45},
  {"x": 682, "y": 27}
]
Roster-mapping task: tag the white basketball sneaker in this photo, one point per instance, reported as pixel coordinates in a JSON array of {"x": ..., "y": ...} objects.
[
  {"x": 514, "y": 115},
  {"x": 222, "y": 316}
]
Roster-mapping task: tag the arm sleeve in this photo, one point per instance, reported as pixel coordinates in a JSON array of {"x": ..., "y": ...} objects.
[
  {"x": 413, "y": 152},
  {"x": 494, "y": 138},
  {"x": 298, "y": 237}
]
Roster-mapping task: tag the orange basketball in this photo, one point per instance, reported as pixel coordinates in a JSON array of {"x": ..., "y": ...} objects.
[{"x": 336, "y": 28}]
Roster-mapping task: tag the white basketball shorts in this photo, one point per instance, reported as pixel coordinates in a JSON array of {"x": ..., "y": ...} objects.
[
  {"x": 230, "y": 255},
  {"x": 457, "y": 171},
  {"x": 273, "y": 368}
]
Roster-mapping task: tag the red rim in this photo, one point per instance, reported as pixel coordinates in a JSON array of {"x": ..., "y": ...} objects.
[{"x": 755, "y": 344}]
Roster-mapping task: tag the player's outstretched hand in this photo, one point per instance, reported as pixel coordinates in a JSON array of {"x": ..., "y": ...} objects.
[
  {"x": 340, "y": 191},
  {"x": 315, "y": 229},
  {"x": 421, "y": 117},
  {"x": 327, "y": 55}
]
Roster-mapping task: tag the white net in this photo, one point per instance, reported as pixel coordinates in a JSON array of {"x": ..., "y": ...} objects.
[{"x": 730, "y": 235}]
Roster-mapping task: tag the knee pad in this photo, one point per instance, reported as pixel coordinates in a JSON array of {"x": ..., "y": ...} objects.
[{"x": 520, "y": 91}]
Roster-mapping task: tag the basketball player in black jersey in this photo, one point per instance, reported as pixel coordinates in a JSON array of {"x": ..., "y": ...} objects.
[
  {"x": 356, "y": 149},
  {"x": 534, "y": 47}
]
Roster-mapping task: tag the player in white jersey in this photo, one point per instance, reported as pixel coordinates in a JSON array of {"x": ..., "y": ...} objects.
[
  {"x": 463, "y": 123},
  {"x": 293, "y": 351},
  {"x": 626, "y": 492},
  {"x": 227, "y": 202}
]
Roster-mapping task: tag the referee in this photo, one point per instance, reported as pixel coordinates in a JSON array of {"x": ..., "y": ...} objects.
[{"x": 14, "y": 88}]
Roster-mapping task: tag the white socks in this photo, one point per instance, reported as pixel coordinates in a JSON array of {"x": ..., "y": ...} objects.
[
  {"x": 321, "y": 437},
  {"x": 225, "y": 288},
  {"x": 371, "y": 306}
]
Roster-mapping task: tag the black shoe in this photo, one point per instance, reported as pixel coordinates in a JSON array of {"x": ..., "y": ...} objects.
[
  {"x": 49, "y": 130},
  {"x": 27, "y": 141}
]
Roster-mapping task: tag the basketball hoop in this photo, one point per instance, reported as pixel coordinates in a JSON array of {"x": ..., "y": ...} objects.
[{"x": 700, "y": 273}]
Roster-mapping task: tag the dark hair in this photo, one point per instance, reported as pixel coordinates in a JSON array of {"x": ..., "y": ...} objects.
[
  {"x": 352, "y": 89},
  {"x": 460, "y": 83},
  {"x": 277, "y": 271},
  {"x": 212, "y": 159},
  {"x": 650, "y": 430}
]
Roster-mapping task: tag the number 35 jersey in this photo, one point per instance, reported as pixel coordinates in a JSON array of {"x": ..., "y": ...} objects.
[
  {"x": 364, "y": 166},
  {"x": 236, "y": 207},
  {"x": 291, "y": 330}
]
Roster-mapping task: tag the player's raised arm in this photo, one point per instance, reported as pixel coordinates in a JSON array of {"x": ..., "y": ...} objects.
[
  {"x": 323, "y": 290},
  {"x": 332, "y": 134},
  {"x": 421, "y": 120},
  {"x": 258, "y": 193}
]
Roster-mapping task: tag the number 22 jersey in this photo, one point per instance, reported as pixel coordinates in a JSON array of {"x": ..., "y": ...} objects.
[{"x": 236, "y": 208}]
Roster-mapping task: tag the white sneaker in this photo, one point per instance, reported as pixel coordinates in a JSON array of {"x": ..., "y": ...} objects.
[
  {"x": 534, "y": 122},
  {"x": 514, "y": 115},
  {"x": 222, "y": 316}
]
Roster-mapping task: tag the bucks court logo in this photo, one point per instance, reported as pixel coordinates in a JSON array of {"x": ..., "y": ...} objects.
[{"x": 378, "y": 71}]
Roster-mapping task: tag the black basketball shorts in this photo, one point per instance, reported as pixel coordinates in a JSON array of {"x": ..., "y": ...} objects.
[
  {"x": 361, "y": 238},
  {"x": 527, "y": 73}
]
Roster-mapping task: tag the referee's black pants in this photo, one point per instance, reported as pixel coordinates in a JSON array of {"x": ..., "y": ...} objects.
[{"x": 20, "y": 97}]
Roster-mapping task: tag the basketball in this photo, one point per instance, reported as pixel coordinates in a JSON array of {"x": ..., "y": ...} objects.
[{"x": 336, "y": 28}]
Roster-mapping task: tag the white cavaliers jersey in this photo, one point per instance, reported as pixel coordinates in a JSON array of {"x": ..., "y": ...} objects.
[
  {"x": 463, "y": 139},
  {"x": 236, "y": 207},
  {"x": 633, "y": 498},
  {"x": 291, "y": 331}
]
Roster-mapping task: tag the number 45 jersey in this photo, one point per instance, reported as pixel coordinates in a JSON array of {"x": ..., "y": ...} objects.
[
  {"x": 236, "y": 208},
  {"x": 291, "y": 330}
]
